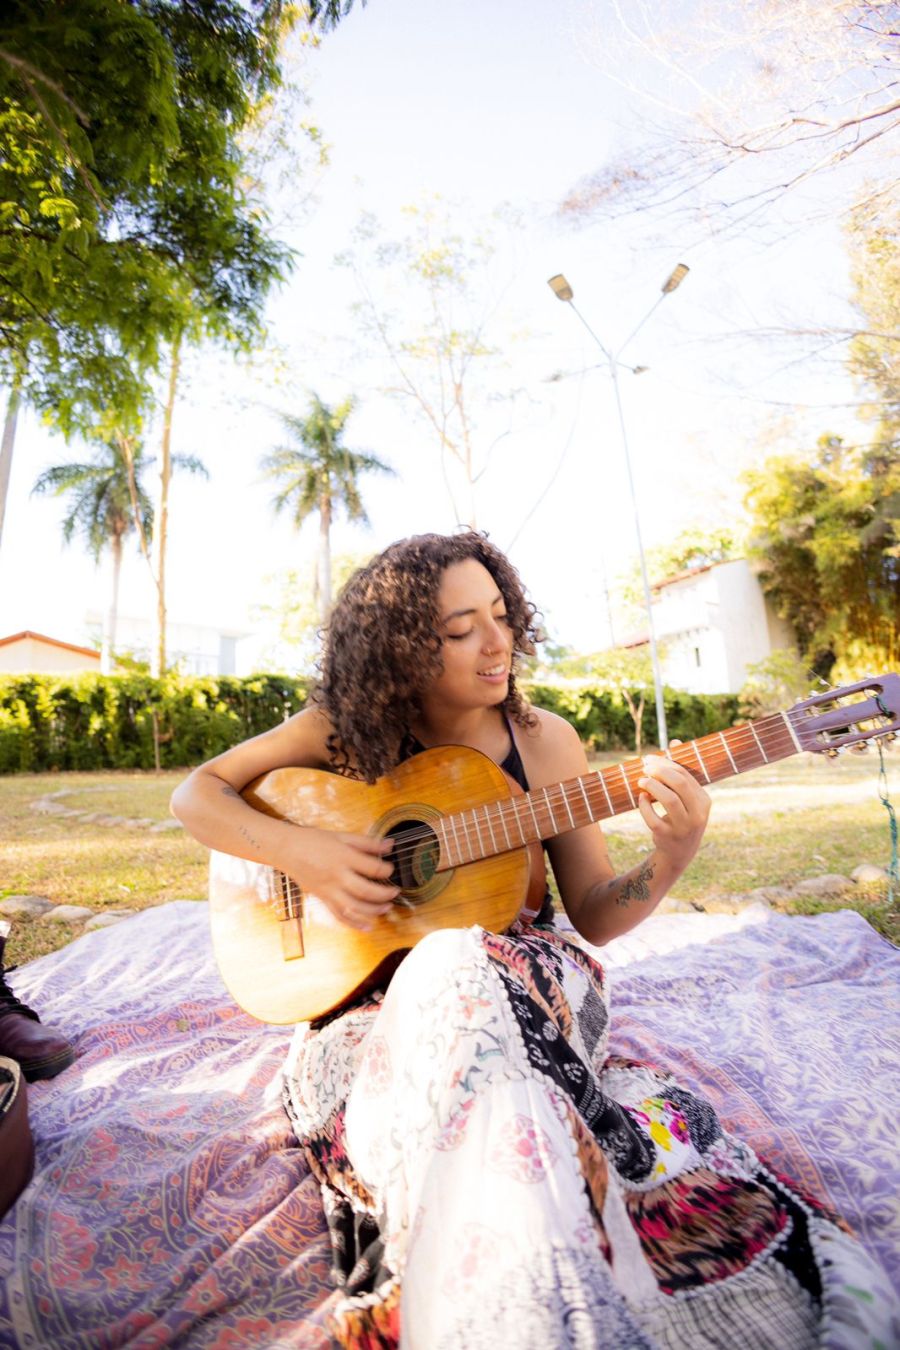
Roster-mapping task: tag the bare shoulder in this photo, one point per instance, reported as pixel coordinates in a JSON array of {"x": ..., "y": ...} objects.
[{"x": 551, "y": 748}]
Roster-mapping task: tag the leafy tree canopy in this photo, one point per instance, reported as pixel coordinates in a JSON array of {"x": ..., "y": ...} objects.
[
  {"x": 826, "y": 527},
  {"x": 826, "y": 533},
  {"x": 122, "y": 209},
  {"x": 694, "y": 547}
]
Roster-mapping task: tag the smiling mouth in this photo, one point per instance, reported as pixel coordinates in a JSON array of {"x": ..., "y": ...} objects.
[{"x": 493, "y": 671}]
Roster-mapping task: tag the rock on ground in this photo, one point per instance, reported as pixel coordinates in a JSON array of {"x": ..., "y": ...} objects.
[
  {"x": 67, "y": 914},
  {"x": 832, "y": 883},
  {"x": 25, "y": 906}
]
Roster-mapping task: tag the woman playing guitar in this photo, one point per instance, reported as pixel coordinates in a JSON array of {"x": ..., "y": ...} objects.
[{"x": 488, "y": 1172}]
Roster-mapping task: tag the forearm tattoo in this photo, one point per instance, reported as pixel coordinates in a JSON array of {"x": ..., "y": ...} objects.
[
  {"x": 636, "y": 888},
  {"x": 229, "y": 791}
]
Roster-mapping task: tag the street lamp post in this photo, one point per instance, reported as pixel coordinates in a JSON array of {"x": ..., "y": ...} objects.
[{"x": 563, "y": 291}]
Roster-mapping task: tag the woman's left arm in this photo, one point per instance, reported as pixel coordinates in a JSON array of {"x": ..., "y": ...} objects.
[{"x": 601, "y": 904}]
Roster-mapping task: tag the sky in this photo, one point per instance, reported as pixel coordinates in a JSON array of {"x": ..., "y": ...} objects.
[{"x": 483, "y": 103}]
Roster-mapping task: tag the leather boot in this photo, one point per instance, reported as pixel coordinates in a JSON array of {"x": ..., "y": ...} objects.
[
  {"x": 16, "y": 1143},
  {"x": 40, "y": 1051}
]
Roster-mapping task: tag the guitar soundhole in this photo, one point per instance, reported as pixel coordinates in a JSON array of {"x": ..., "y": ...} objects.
[{"x": 415, "y": 857}]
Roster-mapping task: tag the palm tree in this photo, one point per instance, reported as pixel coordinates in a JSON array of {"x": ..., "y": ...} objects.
[
  {"x": 108, "y": 500},
  {"x": 319, "y": 474}
]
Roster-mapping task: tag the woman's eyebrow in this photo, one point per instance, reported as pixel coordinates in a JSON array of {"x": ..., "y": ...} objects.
[{"x": 463, "y": 613}]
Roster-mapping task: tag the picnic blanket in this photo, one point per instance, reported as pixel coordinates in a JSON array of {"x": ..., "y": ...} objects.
[{"x": 171, "y": 1204}]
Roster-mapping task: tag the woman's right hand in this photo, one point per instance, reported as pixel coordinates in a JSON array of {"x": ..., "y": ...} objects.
[{"x": 347, "y": 872}]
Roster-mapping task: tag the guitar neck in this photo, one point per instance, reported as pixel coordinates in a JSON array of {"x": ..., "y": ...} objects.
[{"x": 543, "y": 813}]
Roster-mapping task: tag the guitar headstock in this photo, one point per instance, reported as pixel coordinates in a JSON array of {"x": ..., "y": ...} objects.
[{"x": 856, "y": 713}]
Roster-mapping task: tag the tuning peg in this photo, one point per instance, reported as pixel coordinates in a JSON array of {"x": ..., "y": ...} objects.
[
  {"x": 832, "y": 752},
  {"x": 860, "y": 747}
]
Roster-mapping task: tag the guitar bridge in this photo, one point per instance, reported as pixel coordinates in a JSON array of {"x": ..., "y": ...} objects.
[{"x": 292, "y": 918}]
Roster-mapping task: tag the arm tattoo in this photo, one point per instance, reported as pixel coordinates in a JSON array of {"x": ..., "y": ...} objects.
[
  {"x": 636, "y": 888},
  {"x": 254, "y": 843},
  {"x": 229, "y": 791}
]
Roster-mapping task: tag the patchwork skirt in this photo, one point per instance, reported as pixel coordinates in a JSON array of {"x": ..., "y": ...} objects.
[{"x": 490, "y": 1173}]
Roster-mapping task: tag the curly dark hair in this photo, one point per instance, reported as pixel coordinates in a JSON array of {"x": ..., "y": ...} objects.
[{"x": 383, "y": 646}]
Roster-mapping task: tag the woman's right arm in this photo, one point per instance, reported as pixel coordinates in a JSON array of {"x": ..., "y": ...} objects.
[{"x": 347, "y": 871}]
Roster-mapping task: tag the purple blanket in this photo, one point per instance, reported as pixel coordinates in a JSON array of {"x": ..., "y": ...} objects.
[{"x": 171, "y": 1205}]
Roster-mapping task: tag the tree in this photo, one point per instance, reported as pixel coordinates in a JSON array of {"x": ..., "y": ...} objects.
[
  {"x": 108, "y": 503},
  {"x": 124, "y": 218},
  {"x": 328, "y": 13},
  {"x": 429, "y": 298},
  {"x": 694, "y": 547},
  {"x": 826, "y": 533},
  {"x": 774, "y": 683},
  {"x": 101, "y": 513},
  {"x": 749, "y": 103},
  {"x": 319, "y": 475},
  {"x": 874, "y": 352},
  {"x": 628, "y": 673},
  {"x": 294, "y": 612},
  {"x": 826, "y": 526}
]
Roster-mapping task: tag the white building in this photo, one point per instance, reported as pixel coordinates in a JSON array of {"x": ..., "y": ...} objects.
[
  {"x": 194, "y": 648},
  {"x": 36, "y": 654},
  {"x": 712, "y": 623}
]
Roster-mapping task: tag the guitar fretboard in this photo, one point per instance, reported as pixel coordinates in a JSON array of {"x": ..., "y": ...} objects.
[{"x": 496, "y": 827}]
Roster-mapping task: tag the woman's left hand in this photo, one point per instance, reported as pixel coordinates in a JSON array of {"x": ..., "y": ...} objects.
[{"x": 678, "y": 831}]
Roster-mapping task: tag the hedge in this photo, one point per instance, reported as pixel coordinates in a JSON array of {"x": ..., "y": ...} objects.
[
  {"x": 603, "y": 722},
  {"x": 107, "y": 721}
]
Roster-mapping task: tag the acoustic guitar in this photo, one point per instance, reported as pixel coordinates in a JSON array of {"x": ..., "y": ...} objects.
[{"x": 467, "y": 847}]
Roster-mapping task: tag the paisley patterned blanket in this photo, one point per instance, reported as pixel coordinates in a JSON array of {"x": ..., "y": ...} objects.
[{"x": 171, "y": 1205}]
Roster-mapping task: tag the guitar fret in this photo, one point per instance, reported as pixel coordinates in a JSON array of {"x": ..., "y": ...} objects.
[
  {"x": 612, "y": 809},
  {"x": 537, "y": 828},
  {"x": 627, "y": 784},
  {"x": 789, "y": 725},
  {"x": 728, "y": 753},
  {"x": 565, "y": 797},
  {"x": 443, "y": 841},
  {"x": 459, "y": 855},
  {"x": 586, "y": 800},
  {"x": 696, "y": 749},
  {"x": 502, "y": 814},
  {"x": 515, "y": 807},
  {"x": 481, "y": 852},
  {"x": 487, "y": 816},
  {"x": 758, "y": 742},
  {"x": 550, "y": 810}
]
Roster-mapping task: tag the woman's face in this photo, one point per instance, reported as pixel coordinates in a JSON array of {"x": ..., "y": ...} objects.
[{"x": 477, "y": 638}]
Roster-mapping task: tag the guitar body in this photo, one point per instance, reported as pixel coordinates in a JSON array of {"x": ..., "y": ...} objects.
[{"x": 285, "y": 958}]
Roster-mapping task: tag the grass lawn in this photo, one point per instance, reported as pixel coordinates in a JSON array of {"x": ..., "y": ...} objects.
[
  {"x": 776, "y": 825},
  {"x": 77, "y": 862}
]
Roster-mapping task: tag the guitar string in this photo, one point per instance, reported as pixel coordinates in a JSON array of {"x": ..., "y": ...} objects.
[
  {"x": 737, "y": 739},
  {"x": 506, "y": 811},
  {"x": 503, "y": 811}
]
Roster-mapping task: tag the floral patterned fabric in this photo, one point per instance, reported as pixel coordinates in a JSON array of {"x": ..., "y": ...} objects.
[
  {"x": 504, "y": 1176},
  {"x": 172, "y": 1206}
]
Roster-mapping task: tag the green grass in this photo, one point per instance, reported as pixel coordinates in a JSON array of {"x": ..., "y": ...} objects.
[
  {"x": 774, "y": 826},
  {"x": 70, "y": 861}
]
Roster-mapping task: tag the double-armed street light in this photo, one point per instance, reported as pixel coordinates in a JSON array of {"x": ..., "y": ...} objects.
[{"x": 563, "y": 291}]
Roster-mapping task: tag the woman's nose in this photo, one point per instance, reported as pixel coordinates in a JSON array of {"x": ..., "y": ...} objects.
[{"x": 494, "y": 638}]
